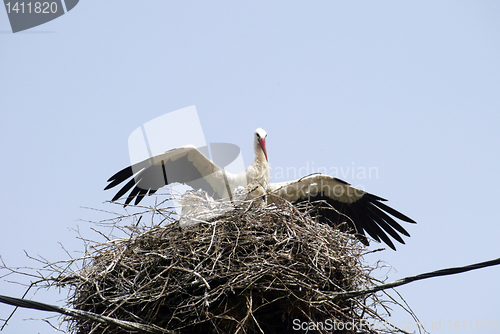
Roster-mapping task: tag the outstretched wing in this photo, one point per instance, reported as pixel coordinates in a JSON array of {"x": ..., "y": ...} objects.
[
  {"x": 339, "y": 200},
  {"x": 185, "y": 164}
]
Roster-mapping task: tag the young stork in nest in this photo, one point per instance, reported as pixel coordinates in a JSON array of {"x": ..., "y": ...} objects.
[{"x": 336, "y": 202}]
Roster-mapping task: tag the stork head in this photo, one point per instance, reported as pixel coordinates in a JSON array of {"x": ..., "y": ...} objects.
[{"x": 260, "y": 141}]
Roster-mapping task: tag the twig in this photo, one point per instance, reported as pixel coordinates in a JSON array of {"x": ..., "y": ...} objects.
[{"x": 15, "y": 309}]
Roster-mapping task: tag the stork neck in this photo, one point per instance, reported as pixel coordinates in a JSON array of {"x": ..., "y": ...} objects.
[
  {"x": 257, "y": 173},
  {"x": 259, "y": 154}
]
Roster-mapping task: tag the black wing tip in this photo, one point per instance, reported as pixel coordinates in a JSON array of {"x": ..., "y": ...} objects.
[
  {"x": 373, "y": 198},
  {"x": 120, "y": 177},
  {"x": 376, "y": 200},
  {"x": 371, "y": 219},
  {"x": 112, "y": 178},
  {"x": 409, "y": 220},
  {"x": 391, "y": 245},
  {"x": 364, "y": 240}
]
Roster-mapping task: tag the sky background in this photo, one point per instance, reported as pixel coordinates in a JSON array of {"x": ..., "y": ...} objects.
[{"x": 409, "y": 89}]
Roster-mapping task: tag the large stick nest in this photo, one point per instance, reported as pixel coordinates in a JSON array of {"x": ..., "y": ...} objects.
[{"x": 250, "y": 269}]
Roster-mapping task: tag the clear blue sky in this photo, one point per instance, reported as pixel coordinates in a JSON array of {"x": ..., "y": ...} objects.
[{"x": 411, "y": 89}]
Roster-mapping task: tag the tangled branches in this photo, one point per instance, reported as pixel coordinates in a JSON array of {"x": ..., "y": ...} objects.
[{"x": 251, "y": 269}]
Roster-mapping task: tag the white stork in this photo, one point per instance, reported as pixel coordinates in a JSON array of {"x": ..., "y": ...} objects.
[{"x": 190, "y": 166}]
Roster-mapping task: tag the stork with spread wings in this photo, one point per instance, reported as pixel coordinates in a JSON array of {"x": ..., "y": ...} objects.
[{"x": 341, "y": 204}]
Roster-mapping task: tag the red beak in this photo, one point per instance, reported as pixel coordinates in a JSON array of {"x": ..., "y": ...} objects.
[{"x": 262, "y": 143}]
